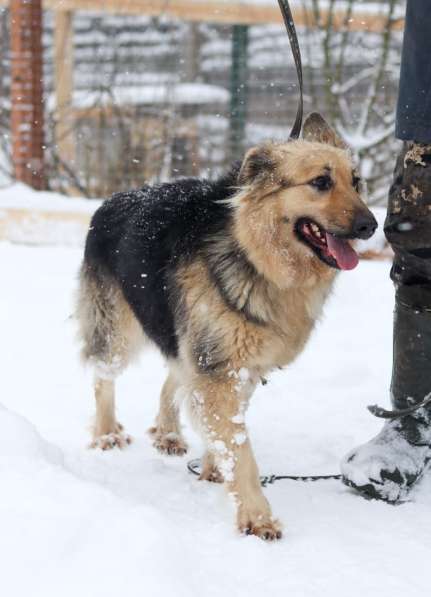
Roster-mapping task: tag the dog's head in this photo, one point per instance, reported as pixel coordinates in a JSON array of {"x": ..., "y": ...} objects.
[{"x": 299, "y": 205}]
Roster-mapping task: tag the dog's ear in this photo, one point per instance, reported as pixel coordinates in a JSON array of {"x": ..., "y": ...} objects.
[
  {"x": 257, "y": 164},
  {"x": 317, "y": 129}
]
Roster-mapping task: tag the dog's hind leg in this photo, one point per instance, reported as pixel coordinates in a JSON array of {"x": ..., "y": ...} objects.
[
  {"x": 166, "y": 431},
  {"x": 107, "y": 432},
  {"x": 111, "y": 336}
]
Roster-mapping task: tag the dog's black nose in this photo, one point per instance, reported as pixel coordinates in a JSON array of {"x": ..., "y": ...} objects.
[{"x": 364, "y": 225}]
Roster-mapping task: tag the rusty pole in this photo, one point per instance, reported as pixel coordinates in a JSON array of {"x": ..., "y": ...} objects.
[{"x": 27, "y": 92}]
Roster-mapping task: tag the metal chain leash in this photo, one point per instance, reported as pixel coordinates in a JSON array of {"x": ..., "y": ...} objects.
[{"x": 195, "y": 467}]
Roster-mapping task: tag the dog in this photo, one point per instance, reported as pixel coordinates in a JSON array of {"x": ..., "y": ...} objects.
[{"x": 227, "y": 278}]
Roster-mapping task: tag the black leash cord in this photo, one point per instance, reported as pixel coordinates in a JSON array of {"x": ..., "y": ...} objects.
[
  {"x": 194, "y": 466},
  {"x": 382, "y": 413},
  {"x": 296, "y": 52}
]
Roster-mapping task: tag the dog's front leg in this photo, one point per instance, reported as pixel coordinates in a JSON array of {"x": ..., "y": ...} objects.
[{"x": 218, "y": 404}]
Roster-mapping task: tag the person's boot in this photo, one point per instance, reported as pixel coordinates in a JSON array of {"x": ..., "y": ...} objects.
[{"x": 389, "y": 465}]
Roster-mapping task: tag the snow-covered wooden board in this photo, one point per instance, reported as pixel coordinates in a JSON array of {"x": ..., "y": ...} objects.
[{"x": 43, "y": 218}]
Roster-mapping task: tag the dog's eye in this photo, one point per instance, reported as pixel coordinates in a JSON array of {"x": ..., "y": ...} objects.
[
  {"x": 322, "y": 183},
  {"x": 356, "y": 183}
]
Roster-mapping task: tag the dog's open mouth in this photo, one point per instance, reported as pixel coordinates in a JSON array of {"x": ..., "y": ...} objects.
[{"x": 331, "y": 249}]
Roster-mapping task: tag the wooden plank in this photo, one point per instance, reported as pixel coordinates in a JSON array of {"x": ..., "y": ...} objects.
[
  {"x": 63, "y": 79},
  {"x": 35, "y": 226},
  {"x": 223, "y": 11}
]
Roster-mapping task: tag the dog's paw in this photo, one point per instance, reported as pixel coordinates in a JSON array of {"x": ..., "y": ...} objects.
[
  {"x": 108, "y": 441},
  {"x": 168, "y": 443},
  {"x": 263, "y": 527},
  {"x": 211, "y": 474}
]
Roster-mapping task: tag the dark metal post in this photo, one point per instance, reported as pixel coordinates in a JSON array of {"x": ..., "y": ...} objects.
[{"x": 238, "y": 90}]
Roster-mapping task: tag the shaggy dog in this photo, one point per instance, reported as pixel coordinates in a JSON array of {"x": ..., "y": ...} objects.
[{"x": 227, "y": 278}]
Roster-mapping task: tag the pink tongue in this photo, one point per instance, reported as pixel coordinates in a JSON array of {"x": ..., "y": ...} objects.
[{"x": 342, "y": 252}]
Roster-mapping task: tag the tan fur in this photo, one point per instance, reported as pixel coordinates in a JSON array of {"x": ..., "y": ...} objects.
[
  {"x": 250, "y": 351},
  {"x": 209, "y": 470},
  {"x": 262, "y": 210},
  {"x": 111, "y": 338},
  {"x": 167, "y": 432},
  {"x": 111, "y": 335},
  {"x": 283, "y": 302},
  {"x": 289, "y": 315}
]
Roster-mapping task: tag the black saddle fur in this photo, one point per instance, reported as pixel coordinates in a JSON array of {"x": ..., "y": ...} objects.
[{"x": 140, "y": 237}]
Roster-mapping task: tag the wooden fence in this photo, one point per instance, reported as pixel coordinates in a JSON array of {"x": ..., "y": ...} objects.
[{"x": 236, "y": 12}]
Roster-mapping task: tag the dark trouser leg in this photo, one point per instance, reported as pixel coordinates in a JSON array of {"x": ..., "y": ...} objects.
[
  {"x": 413, "y": 121},
  {"x": 408, "y": 229},
  {"x": 389, "y": 465}
]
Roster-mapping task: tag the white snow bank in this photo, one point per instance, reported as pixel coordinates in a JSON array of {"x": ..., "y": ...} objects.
[
  {"x": 42, "y": 217},
  {"x": 53, "y": 540},
  {"x": 28, "y": 449},
  {"x": 33, "y": 228},
  {"x": 20, "y": 196}
]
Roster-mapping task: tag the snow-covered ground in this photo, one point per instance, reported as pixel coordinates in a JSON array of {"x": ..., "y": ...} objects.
[{"x": 75, "y": 522}]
